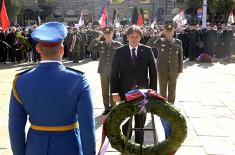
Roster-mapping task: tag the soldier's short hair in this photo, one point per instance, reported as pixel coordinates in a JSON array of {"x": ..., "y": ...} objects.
[
  {"x": 51, "y": 51},
  {"x": 134, "y": 28}
]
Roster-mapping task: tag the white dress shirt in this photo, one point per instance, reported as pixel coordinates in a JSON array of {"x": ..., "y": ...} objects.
[{"x": 136, "y": 49}]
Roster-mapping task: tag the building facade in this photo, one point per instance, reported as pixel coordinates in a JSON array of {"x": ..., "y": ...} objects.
[{"x": 70, "y": 10}]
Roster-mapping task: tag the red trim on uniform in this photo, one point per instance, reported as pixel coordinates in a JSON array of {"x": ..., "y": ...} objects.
[{"x": 49, "y": 44}]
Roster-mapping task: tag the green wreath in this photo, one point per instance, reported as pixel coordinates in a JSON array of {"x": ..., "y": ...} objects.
[{"x": 161, "y": 108}]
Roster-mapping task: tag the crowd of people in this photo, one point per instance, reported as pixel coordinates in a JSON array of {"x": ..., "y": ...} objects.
[{"x": 217, "y": 41}]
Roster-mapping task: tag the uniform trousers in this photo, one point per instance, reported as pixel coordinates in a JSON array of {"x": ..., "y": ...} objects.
[
  {"x": 107, "y": 97},
  {"x": 76, "y": 55},
  {"x": 167, "y": 83}
]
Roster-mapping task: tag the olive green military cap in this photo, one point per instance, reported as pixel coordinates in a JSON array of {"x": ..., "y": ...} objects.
[
  {"x": 107, "y": 30},
  {"x": 169, "y": 26}
]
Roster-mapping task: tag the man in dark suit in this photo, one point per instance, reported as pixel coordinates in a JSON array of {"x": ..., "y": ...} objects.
[
  {"x": 11, "y": 40},
  {"x": 3, "y": 51},
  {"x": 133, "y": 67}
]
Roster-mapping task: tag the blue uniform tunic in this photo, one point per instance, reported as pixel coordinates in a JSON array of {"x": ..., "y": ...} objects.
[{"x": 52, "y": 95}]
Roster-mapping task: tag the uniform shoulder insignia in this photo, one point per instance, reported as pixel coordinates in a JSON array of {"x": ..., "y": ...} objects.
[
  {"x": 178, "y": 40},
  {"x": 69, "y": 68},
  {"x": 25, "y": 71},
  {"x": 158, "y": 41},
  {"x": 15, "y": 93}
]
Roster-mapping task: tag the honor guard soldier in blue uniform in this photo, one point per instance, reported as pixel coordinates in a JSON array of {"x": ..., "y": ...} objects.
[{"x": 57, "y": 101}]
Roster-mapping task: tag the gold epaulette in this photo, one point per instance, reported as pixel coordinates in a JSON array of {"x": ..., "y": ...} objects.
[{"x": 16, "y": 95}]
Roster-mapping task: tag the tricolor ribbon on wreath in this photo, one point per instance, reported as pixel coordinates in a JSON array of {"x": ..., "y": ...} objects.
[{"x": 131, "y": 96}]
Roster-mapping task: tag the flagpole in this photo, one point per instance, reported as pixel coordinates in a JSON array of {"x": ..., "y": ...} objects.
[{"x": 204, "y": 14}]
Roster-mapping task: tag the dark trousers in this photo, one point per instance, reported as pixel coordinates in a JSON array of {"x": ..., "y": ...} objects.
[
  {"x": 82, "y": 52},
  {"x": 15, "y": 55},
  {"x": 139, "y": 123},
  {"x": 12, "y": 54},
  {"x": 36, "y": 56},
  {"x": 76, "y": 54},
  {"x": 87, "y": 53},
  {"x": 3, "y": 54}
]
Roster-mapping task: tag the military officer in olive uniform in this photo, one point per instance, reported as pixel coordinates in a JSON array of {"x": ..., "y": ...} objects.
[
  {"x": 106, "y": 51},
  {"x": 83, "y": 43},
  {"x": 169, "y": 62},
  {"x": 169, "y": 66},
  {"x": 76, "y": 46}
]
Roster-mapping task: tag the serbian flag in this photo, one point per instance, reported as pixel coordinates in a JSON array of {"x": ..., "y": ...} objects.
[
  {"x": 180, "y": 19},
  {"x": 116, "y": 22},
  {"x": 103, "y": 18},
  {"x": 4, "y": 18},
  {"x": 81, "y": 20},
  {"x": 140, "y": 20}
]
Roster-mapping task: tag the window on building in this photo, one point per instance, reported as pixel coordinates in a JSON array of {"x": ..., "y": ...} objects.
[
  {"x": 116, "y": 1},
  {"x": 181, "y": 1},
  {"x": 145, "y": 1}
]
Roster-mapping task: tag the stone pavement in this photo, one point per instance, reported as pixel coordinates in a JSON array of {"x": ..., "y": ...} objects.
[{"x": 205, "y": 95}]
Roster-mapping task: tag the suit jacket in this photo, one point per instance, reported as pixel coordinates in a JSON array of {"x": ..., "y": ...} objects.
[
  {"x": 11, "y": 38},
  {"x": 125, "y": 77},
  {"x": 2, "y": 38},
  {"x": 52, "y": 95}
]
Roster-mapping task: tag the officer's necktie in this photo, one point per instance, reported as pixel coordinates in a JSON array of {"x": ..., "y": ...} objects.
[{"x": 133, "y": 56}]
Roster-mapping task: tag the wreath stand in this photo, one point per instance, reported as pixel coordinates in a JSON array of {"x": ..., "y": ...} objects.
[{"x": 142, "y": 130}]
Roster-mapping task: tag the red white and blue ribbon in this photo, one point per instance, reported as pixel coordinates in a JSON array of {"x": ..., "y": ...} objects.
[
  {"x": 104, "y": 142},
  {"x": 138, "y": 93},
  {"x": 131, "y": 96}
]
